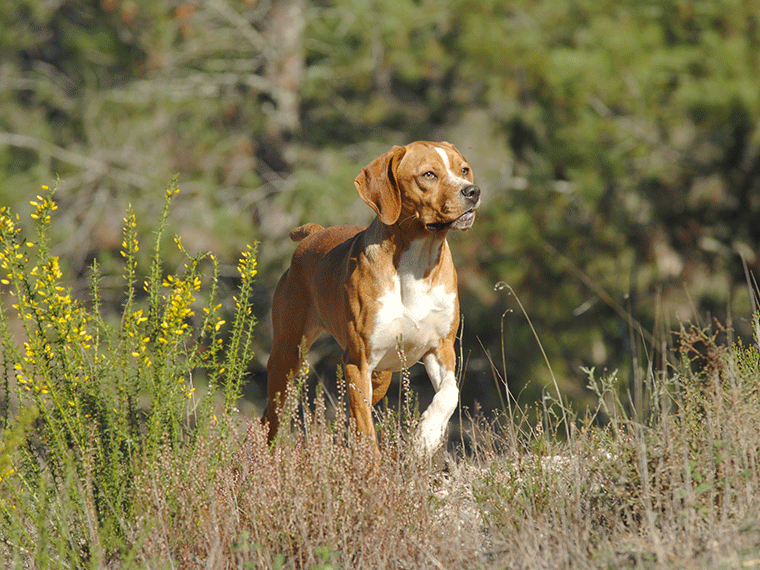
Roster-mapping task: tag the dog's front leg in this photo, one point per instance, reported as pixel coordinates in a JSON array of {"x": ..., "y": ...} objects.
[
  {"x": 360, "y": 399},
  {"x": 440, "y": 365}
]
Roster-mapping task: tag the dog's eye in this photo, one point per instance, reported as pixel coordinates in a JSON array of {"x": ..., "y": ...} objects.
[
  {"x": 465, "y": 171},
  {"x": 429, "y": 175}
]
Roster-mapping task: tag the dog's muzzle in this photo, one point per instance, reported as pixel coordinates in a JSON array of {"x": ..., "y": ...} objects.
[{"x": 470, "y": 193}]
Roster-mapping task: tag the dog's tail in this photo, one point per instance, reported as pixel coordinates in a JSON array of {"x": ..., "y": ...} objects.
[{"x": 303, "y": 231}]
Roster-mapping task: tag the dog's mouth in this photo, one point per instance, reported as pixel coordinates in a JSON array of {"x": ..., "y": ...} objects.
[{"x": 463, "y": 222}]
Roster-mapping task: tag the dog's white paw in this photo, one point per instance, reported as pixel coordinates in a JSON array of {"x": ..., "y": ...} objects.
[
  {"x": 432, "y": 427},
  {"x": 427, "y": 442}
]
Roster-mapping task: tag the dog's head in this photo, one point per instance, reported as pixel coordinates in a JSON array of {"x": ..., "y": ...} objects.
[{"x": 429, "y": 184}]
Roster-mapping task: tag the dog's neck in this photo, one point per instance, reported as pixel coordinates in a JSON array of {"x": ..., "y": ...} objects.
[{"x": 412, "y": 252}]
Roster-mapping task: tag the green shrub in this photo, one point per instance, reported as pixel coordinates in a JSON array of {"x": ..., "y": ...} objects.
[{"x": 99, "y": 400}]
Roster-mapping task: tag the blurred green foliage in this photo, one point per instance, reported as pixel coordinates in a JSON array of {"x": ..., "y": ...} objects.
[{"x": 617, "y": 143}]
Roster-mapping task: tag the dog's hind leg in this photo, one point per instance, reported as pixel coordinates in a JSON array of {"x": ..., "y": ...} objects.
[{"x": 292, "y": 328}]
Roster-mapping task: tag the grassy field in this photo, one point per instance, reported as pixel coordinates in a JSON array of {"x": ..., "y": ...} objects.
[{"x": 122, "y": 447}]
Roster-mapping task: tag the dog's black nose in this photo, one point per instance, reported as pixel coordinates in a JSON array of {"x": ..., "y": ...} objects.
[{"x": 471, "y": 192}]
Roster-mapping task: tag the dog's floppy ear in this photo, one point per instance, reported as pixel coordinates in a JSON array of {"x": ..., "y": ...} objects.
[{"x": 378, "y": 186}]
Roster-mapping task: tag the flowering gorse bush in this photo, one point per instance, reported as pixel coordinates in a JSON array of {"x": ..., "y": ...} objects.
[{"x": 87, "y": 402}]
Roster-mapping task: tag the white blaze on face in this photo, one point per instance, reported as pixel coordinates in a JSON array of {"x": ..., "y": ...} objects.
[{"x": 447, "y": 163}]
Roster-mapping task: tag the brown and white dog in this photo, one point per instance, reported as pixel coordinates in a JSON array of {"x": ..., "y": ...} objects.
[{"x": 392, "y": 285}]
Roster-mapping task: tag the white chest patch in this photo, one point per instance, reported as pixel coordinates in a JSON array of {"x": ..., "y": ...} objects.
[{"x": 414, "y": 314}]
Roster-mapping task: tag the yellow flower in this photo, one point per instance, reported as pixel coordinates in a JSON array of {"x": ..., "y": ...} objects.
[{"x": 247, "y": 264}]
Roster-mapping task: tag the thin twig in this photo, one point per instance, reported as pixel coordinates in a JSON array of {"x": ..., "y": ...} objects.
[{"x": 503, "y": 285}]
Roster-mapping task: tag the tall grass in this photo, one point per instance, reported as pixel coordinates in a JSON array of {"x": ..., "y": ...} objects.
[
  {"x": 113, "y": 456},
  {"x": 678, "y": 489}
]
